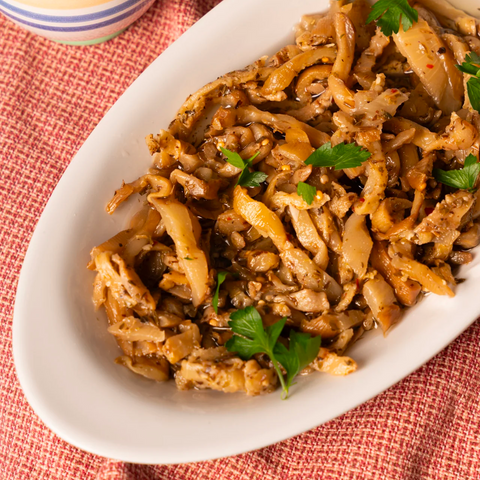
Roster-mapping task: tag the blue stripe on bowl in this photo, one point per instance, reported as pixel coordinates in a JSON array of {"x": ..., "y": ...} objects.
[
  {"x": 80, "y": 28},
  {"x": 67, "y": 19}
]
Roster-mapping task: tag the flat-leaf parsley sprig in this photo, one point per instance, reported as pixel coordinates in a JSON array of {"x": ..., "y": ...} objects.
[
  {"x": 463, "y": 178},
  {"x": 250, "y": 337},
  {"x": 343, "y": 155},
  {"x": 471, "y": 65},
  {"x": 246, "y": 178},
  {"x": 390, "y": 13}
]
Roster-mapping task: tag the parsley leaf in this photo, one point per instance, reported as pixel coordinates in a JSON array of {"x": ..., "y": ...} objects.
[
  {"x": 389, "y": 14},
  {"x": 303, "y": 349},
  {"x": 306, "y": 191},
  {"x": 343, "y": 155},
  {"x": 251, "y": 179},
  {"x": 220, "y": 279},
  {"x": 246, "y": 178},
  {"x": 250, "y": 337},
  {"x": 473, "y": 89},
  {"x": 471, "y": 66},
  {"x": 463, "y": 178},
  {"x": 254, "y": 339},
  {"x": 233, "y": 158}
]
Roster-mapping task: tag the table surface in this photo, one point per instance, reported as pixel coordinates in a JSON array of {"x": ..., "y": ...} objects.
[{"x": 51, "y": 97}]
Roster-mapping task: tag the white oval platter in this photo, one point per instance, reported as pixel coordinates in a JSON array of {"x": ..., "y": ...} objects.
[{"x": 63, "y": 354}]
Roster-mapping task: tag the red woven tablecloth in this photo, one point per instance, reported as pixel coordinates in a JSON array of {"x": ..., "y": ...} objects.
[{"x": 51, "y": 98}]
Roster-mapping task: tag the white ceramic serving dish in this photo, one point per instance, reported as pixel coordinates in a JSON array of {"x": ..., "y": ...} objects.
[{"x": 63, "y": 354}]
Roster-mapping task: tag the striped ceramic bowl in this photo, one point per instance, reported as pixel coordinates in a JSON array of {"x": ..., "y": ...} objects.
[{"x": 78, "y": 22}]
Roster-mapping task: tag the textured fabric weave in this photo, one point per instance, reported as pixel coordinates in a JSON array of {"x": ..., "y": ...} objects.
[{"x": 51, "y": 98}]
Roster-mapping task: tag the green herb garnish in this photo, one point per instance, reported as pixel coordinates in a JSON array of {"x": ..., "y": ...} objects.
[
  {"x": 187, "y": 258},
  {"x": 303, "y": 349},
  {"x": 343, "y": 155},
  {"x": 306, "y": 191},
  {"x": 471, "y": 65},
  {"x": 250, "y": 337},
  {"x": 220, "y": 279},
  {"x": 390, "y": 13},
  {"x": 464, "y": 178},
  {"x": 246, "y": 178}
]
